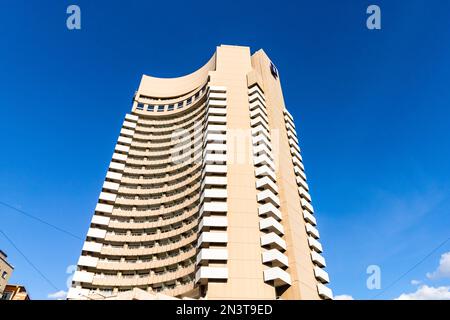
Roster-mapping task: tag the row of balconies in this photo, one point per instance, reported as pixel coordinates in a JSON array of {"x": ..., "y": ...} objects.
[
  {"x": 160, "y": 146},
  {"x": 109, "y": 190},
  {"x": 155, "y": 107},
  {"x": 150, "y": 178},
  {"x": 156, "y": 131},
  {"x": 172, "y": 169},
  {"x": 170, "y": 275},
  {"x": 158, "y": 235},
  {"x": 176, "y": 155},
  {"x": 176, "y": 105},
  {"x": 153, "y": 224},
  {"x": 180, "y": 242},
  {"x": 139, "y": 228},
  {"x": 267, "y": 196},
  {"x": 307, "y": 210},
  {"x": 148, "y": 189},
  {"x": 177, "y": 145},
  {"x": 139, "y": 266},
  {"x": 163, "y": 199},
  {"x": 213, "y": 191},
  {"x": 148, "y": 211}
]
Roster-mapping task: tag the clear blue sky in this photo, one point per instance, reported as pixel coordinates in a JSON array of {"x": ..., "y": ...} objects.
[{"x": 371, "y": 108}]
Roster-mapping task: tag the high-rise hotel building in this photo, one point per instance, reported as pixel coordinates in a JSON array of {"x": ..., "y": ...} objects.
[{"x": 206, "y": 194}]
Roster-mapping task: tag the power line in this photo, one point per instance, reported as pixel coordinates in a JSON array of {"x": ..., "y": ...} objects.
[
  {"x": 29, "y": 261},
  {"x": 411, "y": 269},
  {"x": 40, "y": 220}
]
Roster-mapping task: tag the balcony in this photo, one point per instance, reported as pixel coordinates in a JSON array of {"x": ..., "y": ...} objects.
[
  {"x": 263, "y": 160},
  {"x": 129, "y": 125},
  {"x": 304, "y": 194},
  {"x": 289, "y": 124},
  {"x": 112, "y": 186},
  {"x": 296, "y": 153},
  {"x": 265, "y": 171},
  {"x": 309, "y": 218},
  {"x": 261, "y": 139},
  {"x": 266, "y": 183},
  {"x": 262, "y": 149},
  {"x": 318, "y": 259},
  {"x": 259, "y": 121},
  {"x": 212, "y": 237},
  {"x": 103, "y": 207},
  {"x": 258, "y": 112},
  {"x": 214, "y": 147},
  {"x": 275, "y": 257},
  {"x": 96, "y": 233},
  {"x": 217, "y": 111},
  {"x": 294, "y": 145},
  {"x": 205, "y": 273},
  {"x": 214, "y": 207},
  {"x": 321, "y": 275},
  {"x": 217, "y": 95},
  {"x": 126, "y": 132},
  {"x": 299, "y": 172},
  {"x": 315, "y": 245},
  {"x": 215, "y": 137},
  {"x": 269, "y": 210},
  {"x": 212, "y": 181},
  {"x": 206, "y": 255},
  {"x": 301, "y": 182},
  {"x": 324, "y": 291},
  {"x": 90, "y": 246},
  {"x": 213, "y": 194},
  {"x": 116, "y": 166},
  {"x": 131, "y": 117},
  {"x": 216, "y": 103},
  {"x": 288, "y": 114},
  {"x": 215, "y": 128},
  {"x": 272, "y": 240},
  {"x": 213, "y": 221},
  {"x": 125, "y": 140},
  {"x": 292, "y": 136},
  {"x": 83, "y": 276},
  {"x": 257, "y": 104},
  {"x": 101, "y": 220},
  {"x": 114, "y": 176},
  {"x": 268, "y": 196},
  {"x": 87, "y": 261},
  {"x": 260, "y": 130},
  {"x": 215, "y": 119},
  {"x": 215, "y": 158},
  {"x": 306, "y": 205},
  {"x": 122, "y": 148},
  {"x": 211, "y": 168},
  {"x": 272, "y": 225},
  {"x": 255, "y": 89},
  {"x": 312, "y": 231},
  {"x": 278, "y": 276}
]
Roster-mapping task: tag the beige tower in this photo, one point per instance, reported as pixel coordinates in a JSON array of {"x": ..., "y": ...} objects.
[{"x": 206, "y": 194}]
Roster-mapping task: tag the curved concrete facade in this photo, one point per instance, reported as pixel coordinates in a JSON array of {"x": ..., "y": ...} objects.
[{"x": 206, "y": 195}]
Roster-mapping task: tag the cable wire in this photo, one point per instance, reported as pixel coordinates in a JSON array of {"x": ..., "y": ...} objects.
[
  {"x": 40, "y": 220},
  {"x": 29, "y": 261}
]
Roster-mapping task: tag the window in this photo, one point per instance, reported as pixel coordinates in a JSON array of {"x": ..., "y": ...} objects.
[
  {"x": 160, "y": 108},
  {"x": 150, "y": 107},
  {"x": 180, "y": 105},
  {"x": 171, "y": 106},
  {"x": 4, "y": 274},
  {"x": 7, "y": 296},
  {"x": 140, "y": 106},
  {"x": 188, "y": 101}
]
